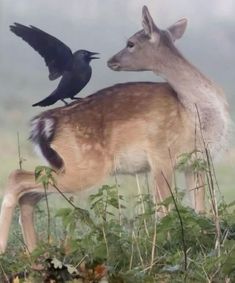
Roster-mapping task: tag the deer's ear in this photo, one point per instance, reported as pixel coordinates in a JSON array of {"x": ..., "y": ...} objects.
[
  {"x": 177, "y": 30},
  {"x": 148, "y": 23}
]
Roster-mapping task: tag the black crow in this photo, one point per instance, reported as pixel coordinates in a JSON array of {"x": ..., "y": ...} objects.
[{"x": 74, "y": 67}]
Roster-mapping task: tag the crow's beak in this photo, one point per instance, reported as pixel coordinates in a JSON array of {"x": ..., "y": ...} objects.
[{"x": 92, "y": 55}]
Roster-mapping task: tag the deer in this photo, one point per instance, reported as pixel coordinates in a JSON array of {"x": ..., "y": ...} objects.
[
  {"x": 127, "y": 128},
  {"x": 203, "y": 101}
]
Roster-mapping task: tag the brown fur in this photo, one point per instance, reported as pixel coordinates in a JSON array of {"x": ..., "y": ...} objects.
[{"x": 93, "y": 135}]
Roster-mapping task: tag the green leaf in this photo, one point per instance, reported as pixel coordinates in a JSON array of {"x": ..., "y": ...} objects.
[{"x": 63, "y": 212}]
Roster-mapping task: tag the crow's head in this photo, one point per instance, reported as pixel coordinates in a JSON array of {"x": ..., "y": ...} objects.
[{"x": 85, "y": 55}]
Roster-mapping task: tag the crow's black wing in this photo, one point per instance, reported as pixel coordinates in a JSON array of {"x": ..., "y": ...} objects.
[{"x": 56, "y": 54}]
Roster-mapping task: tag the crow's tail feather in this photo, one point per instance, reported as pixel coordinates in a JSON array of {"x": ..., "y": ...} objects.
[{"x": 51, "y": 99}]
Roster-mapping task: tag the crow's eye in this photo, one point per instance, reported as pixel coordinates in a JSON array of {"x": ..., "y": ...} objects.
[{"x": 130, "y": 44}]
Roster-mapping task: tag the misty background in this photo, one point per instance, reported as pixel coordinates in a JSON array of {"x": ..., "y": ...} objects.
[{"x": 104, "y": 26}]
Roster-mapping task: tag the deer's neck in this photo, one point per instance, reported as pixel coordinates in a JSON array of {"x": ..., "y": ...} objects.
[
  {"x": 199, "y": 95},
  {"x": 190, "y": 84}
]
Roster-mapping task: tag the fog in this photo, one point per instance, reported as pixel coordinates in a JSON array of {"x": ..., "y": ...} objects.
[{"x": 103, "y": 26}]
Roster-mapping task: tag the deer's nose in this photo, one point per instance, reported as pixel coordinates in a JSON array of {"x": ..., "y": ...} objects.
[{"x": 113, "y": 64}]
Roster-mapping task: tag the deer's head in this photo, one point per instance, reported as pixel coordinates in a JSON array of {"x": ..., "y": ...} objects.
[{"x": 147, "y": 48}]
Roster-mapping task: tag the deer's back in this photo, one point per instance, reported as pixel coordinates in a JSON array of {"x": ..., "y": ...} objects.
[{"x": 121, "y": 127}]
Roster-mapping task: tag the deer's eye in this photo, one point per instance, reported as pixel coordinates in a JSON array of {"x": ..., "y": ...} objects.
[{"x": 130, "y": 44}]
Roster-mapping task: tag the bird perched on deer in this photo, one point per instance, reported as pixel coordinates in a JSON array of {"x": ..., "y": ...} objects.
[{"x": 74, "y": 67}]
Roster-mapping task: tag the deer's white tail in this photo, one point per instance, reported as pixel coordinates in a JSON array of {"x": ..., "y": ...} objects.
[{"x": 42, "y": 134}]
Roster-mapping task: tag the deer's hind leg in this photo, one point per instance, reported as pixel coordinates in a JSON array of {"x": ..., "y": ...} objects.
[
  {"x": 21, "y": 188},
  {"x": 27, "y": 204}
]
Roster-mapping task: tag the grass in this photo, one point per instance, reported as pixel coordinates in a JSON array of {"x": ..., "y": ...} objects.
[
  {"x": 85, "y": 242},
  {"x": 115, "y": 239}
]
